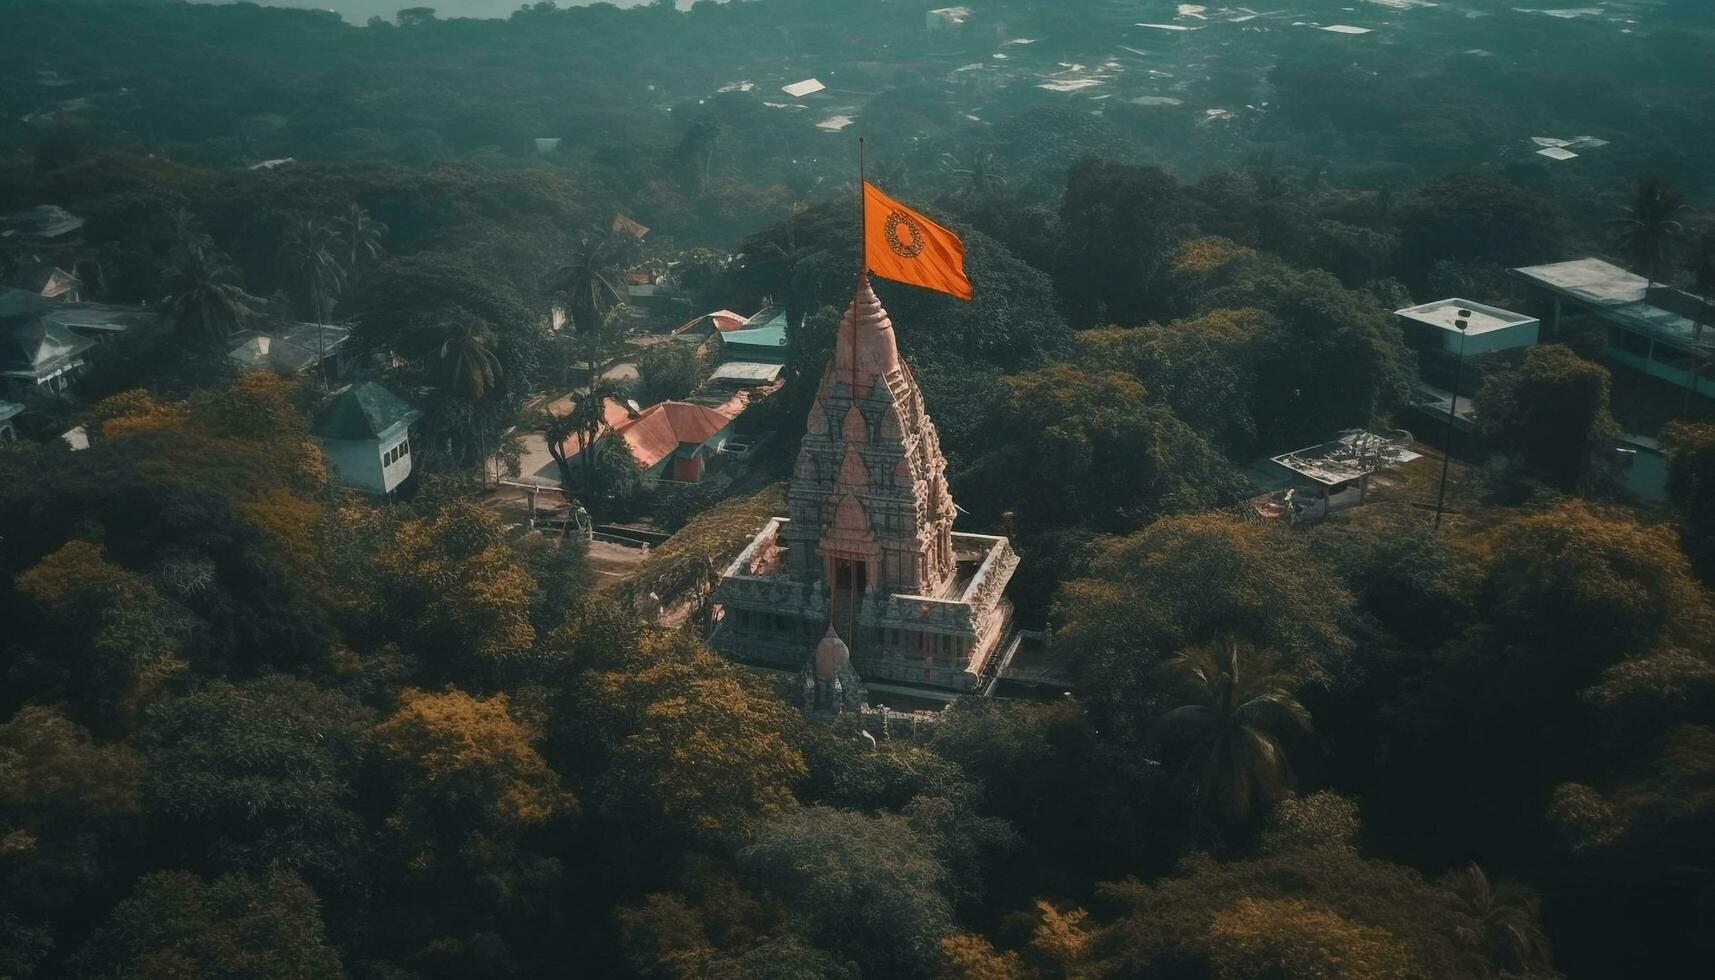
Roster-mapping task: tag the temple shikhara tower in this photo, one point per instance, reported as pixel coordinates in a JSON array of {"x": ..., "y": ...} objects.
[{"x": 868, "y": 548}]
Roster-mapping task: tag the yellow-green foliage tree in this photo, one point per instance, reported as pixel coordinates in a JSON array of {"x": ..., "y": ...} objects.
[
  {"x": 1073, "y": 446},
  {"x": 470, "y": 790},
  {"x": 214, "y": 500},
  {"x": 1589, "y": 586},
  {"x": 455, "y": 589},
  {"x": 1551, "y": 412},
  {"x": 1312, "y": 913},
  {"x": 692, "y": 744},
  {"x": 63, "y": 797},
  {"x": 1185, "y": 580},
  {"x": 266, "y": 774},
  {"x": 1197, "y": 366},
  {"x": 1290, "y": 939},
  {"x": 471, "y": 760},
  {"x": 111, "y": 645},
  {"x": 1691, "y": 484},
  {"x": 178, "y": 925}
]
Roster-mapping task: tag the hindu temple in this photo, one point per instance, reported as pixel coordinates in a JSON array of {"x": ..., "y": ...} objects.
[{"x": 867, "y": 549}]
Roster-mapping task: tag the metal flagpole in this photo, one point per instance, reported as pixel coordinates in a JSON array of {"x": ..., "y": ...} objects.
[
  {"x": 863, "y": 269},
  {"x": 863, "y": 259},
  {"x": 1452, "y": 413}
]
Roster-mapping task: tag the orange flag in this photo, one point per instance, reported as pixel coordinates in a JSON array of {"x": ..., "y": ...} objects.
[{"x": 904, "y": 246}]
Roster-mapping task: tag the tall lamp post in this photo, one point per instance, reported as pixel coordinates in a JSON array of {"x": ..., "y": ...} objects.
[{"x": 1463, "y": 323}]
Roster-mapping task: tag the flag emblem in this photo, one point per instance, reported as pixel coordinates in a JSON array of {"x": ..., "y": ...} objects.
[{"x": 908, "y": 249}]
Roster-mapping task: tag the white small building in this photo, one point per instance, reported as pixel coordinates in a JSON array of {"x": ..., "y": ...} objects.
[
  {"x": 364, "y": 432},
  {"x": 1487, "y": 328}
]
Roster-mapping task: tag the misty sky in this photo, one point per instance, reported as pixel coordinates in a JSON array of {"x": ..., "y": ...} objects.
[{"x": 358, "y": 11}]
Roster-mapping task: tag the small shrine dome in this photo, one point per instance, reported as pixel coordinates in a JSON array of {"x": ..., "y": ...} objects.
[{"x": 831, "y": 656}]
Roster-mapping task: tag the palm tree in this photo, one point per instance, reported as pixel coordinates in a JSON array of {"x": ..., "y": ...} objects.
[
  {"x": 1648, "y": 228},
  {"x": 468, "y": 354},
  {"x": 205, "y": 291},
  {"x": 591, "y": 285},
  {"x": 587, "y": 419},
  {"x": 979, "y": 174},
  {"x": 1506, "y": 930},
  {"x": 590, "y": 279},
  {"x": 1703, "y": 278},
  {"x": 310, "y": 253},
  {"x": 185, "y": 235},
  {"x": 361, "y": 236},
  {"x": 786, "y": 268},
  {"x": 557, "y": 430},
  {"x": 1227, "y": 751}
]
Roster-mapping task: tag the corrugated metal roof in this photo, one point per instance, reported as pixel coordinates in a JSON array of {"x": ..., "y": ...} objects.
[
  {"x": 661, "y": 429},
  {"x": 37, "y": 348},
  {"x": 773, "y": 334},
  {"x": 747, "y": 372},
  {"x": 362, "y": 411}
]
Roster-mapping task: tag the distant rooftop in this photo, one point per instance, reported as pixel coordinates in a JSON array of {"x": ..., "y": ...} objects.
[
  {"x": 38, "y": 350},
  {"x": 746, "y": 373},
  {"x": 100, "y": 316},
  {"x": 42, "y": 221},
  {"x": 294, "y": 349},
  {"x": 1355, "y": 454},
  {"x": 1482, "y": 319}
]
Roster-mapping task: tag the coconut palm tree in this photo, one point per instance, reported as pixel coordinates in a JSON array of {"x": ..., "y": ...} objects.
[
  {"x": 588, "y": 419},
  {"x": 1505, "y": 927},
  {"x": 788, "y": 268},
  {"x": 590, "y": 280},
  {"x": 1226, "y": 752},
  {"x": 978, "y": 174},
  {"x": 184, "y": 234},
  {"x": 557, "y": 430},
  {"x": 310, "y": 252},
  {"x": 467, "y": 352},
  {"x": 205, "y": 292},
  {"x": 1649, "y": 227},
  {"x": 473, "y": 369},
  {"x": 361, "y": 236}
]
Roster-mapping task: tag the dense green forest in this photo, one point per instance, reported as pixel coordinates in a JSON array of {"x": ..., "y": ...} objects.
[{"x": 253, "y": 725}]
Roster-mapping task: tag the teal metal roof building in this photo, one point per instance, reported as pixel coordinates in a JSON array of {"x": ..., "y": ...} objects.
[{"x": 762, "y": 338}]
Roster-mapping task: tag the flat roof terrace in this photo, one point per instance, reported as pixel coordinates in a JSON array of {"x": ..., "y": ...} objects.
[
  {"x": 1588, "y": 280},
  {"x": 1621, "y": 298},
  {"x": 1482, "y": 319},
  {"x": 1354, "y": 455}
]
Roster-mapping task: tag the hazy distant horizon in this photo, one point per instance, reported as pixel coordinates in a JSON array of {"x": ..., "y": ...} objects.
[{"x": 359, "y": 11}]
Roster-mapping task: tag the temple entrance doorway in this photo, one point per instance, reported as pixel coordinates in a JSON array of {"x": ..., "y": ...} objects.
[{"x": 851, "y": 578}]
